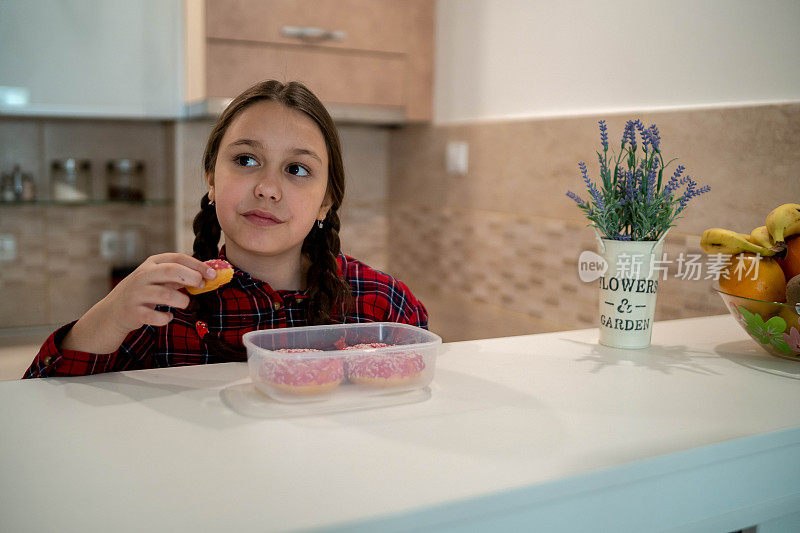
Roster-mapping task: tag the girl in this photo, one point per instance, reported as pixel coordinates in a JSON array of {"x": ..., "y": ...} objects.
[{"x": 273, "y": 166}]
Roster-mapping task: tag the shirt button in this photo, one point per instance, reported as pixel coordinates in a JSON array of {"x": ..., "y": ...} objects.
[
  {"x": 46, "y": 361},
  {"x": 276, "y": 305}
]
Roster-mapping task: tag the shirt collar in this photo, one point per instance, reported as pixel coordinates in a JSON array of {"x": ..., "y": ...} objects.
[{"x": 247, "y": 280}]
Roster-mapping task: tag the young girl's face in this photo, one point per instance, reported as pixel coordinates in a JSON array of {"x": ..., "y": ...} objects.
[{"x": 270, "y": 180}]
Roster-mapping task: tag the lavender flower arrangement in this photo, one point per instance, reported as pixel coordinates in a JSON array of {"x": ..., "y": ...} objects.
[{"x": 632, "y": 205}]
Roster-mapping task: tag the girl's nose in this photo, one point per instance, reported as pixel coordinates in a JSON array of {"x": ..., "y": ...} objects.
[{"x": 268, "y": 187}]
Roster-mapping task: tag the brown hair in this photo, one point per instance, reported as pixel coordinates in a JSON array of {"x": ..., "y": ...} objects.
[{"x": 327, "y": 292}]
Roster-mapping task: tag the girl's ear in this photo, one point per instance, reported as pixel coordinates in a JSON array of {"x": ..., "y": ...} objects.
[
  {"x": 210, "y": 183},
  {"x": 324, "y": 208}
]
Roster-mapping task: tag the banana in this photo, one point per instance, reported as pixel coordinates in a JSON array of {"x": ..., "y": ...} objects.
[
  {"x": 725, "y": 241},
  {"x": 761, "y": 237},
  {"x": 783, "y": 222},
  {"x": 791, "y": 230}
]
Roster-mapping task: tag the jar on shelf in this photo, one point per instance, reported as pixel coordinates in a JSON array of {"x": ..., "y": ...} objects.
[
  {"x": 125, "y": 180},
  {"x": 17, "y": 186},
  {"x": 71, "y": 180},
  {"x": 7, "y": 193}
]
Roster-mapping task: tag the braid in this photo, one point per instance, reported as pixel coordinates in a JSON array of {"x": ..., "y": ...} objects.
[
  {"x": 327, "y": 291},
  {"x": 206, "y": 241},
  {"x": 206, "y": 231}
]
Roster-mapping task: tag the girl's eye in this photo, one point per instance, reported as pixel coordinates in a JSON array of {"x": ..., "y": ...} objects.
[
  {"x": 245, "y": 161},
  {"x": 297, "y": 170}
]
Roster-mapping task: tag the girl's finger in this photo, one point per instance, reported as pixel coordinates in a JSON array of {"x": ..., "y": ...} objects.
[
  {"x": 188, "y": 261},
  {"x": 152, "y": 317},
  {"x": 162, "y": 295},
  {"x": 165, "y": 273}
]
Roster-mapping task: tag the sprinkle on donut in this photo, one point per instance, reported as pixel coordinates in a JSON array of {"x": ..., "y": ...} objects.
[{"x": 367, "y": 345}]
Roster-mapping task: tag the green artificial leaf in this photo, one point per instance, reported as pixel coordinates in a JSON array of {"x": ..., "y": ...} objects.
[
  {"x": 774, "y": 326},
  {"x": 782, "y": 346},
  {"x": 744, "y": 312},
  {"x": 755, "y": 324}
]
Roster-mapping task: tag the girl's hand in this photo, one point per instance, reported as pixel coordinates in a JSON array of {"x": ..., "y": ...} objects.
[
  {"x": 131, "y": 305},
  {"x": 157, "y": 281}
]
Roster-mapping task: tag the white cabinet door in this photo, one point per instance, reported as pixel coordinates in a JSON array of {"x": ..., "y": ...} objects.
[{"x": 115, "y": 58}]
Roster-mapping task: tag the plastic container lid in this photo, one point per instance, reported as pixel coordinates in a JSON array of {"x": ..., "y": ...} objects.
[{"x": 344, "y": 363}]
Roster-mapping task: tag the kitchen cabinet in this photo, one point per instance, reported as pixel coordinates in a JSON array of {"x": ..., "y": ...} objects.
[
  {"x": 369, "y": 60},
  {"x": 111, "y": 58}
]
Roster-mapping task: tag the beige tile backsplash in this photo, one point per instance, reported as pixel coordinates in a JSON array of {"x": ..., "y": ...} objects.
[
  {"x": 491, "y": 253},
  {"x": 59, "y": 273},
  {"x": 749, "y": 156},
  {"x": 506, "y": 237}
]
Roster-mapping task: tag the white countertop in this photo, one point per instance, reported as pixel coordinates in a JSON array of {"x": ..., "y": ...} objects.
[{"x": 700, "y": 430}]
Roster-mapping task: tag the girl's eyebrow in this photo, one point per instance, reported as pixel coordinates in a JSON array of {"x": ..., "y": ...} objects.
[
  {"x": 247, "y": 142},
  {"x": 303, "y": 151},
  {"x": 256, "y": 144}
]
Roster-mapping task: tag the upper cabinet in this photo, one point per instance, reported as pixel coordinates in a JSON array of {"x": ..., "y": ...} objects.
[
  {"x": 110, "y": 58},
  {"x": 367, "y": 60}
]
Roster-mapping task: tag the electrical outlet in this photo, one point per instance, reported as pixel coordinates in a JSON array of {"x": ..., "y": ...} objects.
[
  {"x": 457, "y": 158},
  {"x": 110, "y": 244},
  {"x": 8, "y": 247}
]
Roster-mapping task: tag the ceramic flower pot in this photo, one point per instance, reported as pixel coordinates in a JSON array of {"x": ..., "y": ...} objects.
[{"x": 628, "y": 291}]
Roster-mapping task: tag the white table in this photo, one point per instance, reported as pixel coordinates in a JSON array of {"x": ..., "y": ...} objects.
[{"x": 700, "y": 432}]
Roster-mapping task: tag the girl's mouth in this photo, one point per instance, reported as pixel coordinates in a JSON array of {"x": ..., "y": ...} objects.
[{"x": 262, "y": 218}]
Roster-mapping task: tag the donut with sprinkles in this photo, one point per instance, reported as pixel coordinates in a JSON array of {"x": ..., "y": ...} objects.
[
  {"x": 300, "y": 375},
  {"x": 224, "y": 275},
  {"x": 383, "y": 370}
]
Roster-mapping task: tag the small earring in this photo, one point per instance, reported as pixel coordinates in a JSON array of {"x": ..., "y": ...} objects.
[{"x": 319, "y": 224}]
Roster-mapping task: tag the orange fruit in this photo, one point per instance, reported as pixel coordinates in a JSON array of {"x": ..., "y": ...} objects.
[
  {"x": 791, "y": 263},
  {"x": 762, "y": 281}
]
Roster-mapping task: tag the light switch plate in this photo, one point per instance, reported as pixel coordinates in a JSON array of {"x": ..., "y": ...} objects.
[{"x": 8, "y": 247}]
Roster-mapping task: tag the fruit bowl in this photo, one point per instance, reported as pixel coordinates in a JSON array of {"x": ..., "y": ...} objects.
[{"x": 774, "y": 326}]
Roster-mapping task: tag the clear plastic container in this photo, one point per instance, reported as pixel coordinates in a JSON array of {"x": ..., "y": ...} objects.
[{"x": 342, "y": 367}]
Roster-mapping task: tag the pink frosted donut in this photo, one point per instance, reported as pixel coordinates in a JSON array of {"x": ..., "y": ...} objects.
[
  {"x": 303, "y": 376},
  {"x": 224, "y": 275},
  {"x": 383, "y": 370}
]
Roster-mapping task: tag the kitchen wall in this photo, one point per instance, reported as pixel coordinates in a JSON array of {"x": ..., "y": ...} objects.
[
  {"x": 58, "y": 273},
  {"x": 495, "y": 252},
  {"x": 504, "y": 59}
]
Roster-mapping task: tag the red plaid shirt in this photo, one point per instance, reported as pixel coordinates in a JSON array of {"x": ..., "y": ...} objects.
[{"x": 245, "y": 304}]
